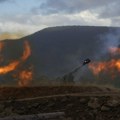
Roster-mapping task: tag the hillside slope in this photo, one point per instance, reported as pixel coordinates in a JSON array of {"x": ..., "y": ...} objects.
[{"x": 56, "y": 51}]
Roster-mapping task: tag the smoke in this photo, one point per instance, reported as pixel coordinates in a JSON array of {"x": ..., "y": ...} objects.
[
  {"x": 110, "y": 40},
  {"x": 107, "y": 68},
  {"x": 105, "y": 60}
]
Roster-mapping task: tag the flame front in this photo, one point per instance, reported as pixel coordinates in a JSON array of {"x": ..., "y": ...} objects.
[
  {"x": 109, "y": 67},
  {"x": 25, "y": 78},
  {"x": 10, "y": 67},
  {"x": 14, "y": 64},
  {"x": 27, "y": 51}
]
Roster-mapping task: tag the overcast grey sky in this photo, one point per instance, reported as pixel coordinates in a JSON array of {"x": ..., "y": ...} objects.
[{"x": 29, "y": 16}]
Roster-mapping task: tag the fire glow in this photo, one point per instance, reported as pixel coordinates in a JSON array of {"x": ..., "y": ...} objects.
[
  {"x": 110, "y": 67},
  {"x": 1, "y": 46},
  {"x": 27, "y": 51},
  {"x": 24, "y": 76},
  {"x": 10, "y": 67}
]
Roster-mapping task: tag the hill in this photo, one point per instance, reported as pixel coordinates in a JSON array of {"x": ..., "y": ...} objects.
[{"x": 52, "y": 52}]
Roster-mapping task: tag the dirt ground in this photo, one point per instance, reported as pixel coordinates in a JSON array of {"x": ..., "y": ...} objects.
[{"x": 77, "y": 102}]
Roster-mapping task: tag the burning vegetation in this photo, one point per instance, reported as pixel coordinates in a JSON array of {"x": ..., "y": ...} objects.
[
  {"x": 24, "y": 77},
  {"x": 110, "y": 67},
  {"x": 8, "y": 68},
  {"x": 23, "y": 73}
]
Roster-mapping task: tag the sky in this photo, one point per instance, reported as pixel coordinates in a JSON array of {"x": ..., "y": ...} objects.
[{"x": 23, "y": 17}]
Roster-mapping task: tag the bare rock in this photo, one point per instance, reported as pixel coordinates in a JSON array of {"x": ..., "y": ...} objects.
[
  {"x": 112, "y": 103},
  {"x": 93, "y": 103},
  {"x": 35, "y": 105},
  {"x": 83, "y": 100},
  {"x": 8, "y": 110},
  {"x": 1, "y": 107},
  {"x": 70, "y": 105},
  {"x": 105, "y": 108},
  {"x": 44, "y": 116}
]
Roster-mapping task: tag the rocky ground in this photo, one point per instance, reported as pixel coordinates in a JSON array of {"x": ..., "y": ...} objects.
[{"x": 78, "y": 103}]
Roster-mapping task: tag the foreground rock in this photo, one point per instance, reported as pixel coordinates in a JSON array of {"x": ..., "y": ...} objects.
[
  {"x": 44, "y": 116},
  {"x": 77, "y": 105}
]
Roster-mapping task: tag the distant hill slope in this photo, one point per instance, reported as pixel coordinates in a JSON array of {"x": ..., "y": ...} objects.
[{"x": 58, "y": 50}]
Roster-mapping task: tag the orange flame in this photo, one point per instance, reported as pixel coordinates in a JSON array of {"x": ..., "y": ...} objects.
[
  {"x": 8, "y": 68},
  {"x": 27, "y": 51},
  {"x": 25, "y": 77},
  {"x": 13, "y": 65},
  {"x": 109, "y": 67}
]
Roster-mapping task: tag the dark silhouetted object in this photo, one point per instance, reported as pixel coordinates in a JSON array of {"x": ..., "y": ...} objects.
[
  {"x": 86, "y": 61},
  {"x": 69, "y": 77}
]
